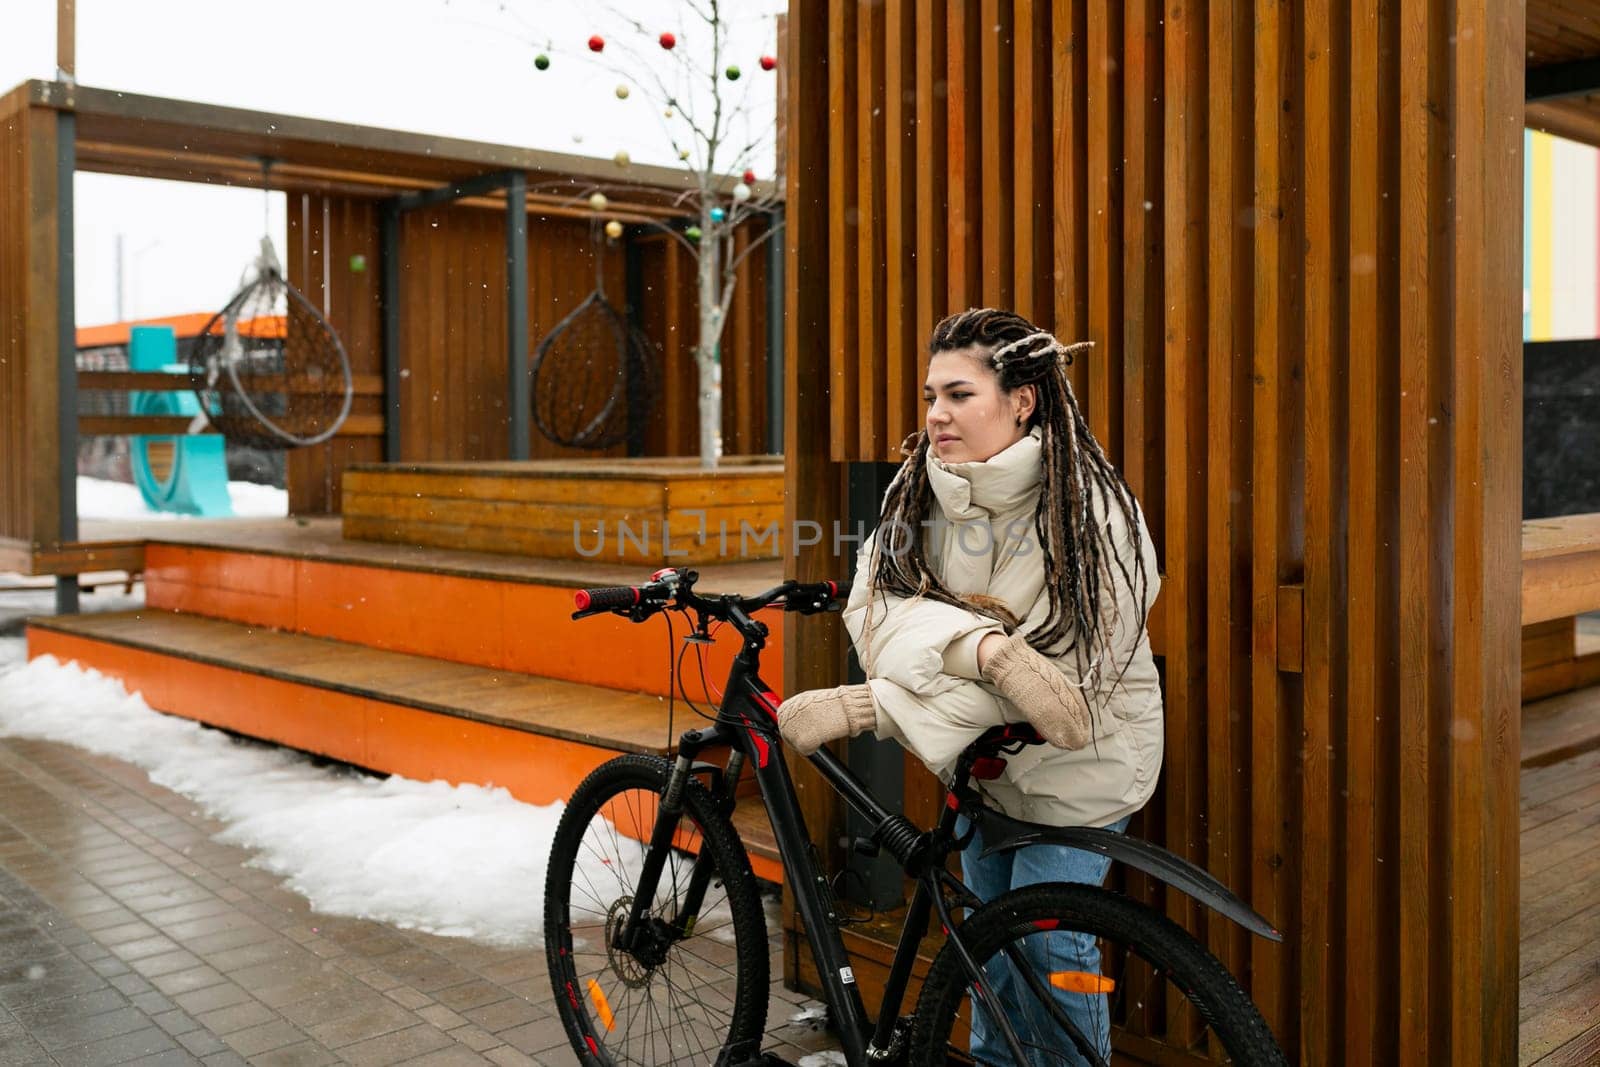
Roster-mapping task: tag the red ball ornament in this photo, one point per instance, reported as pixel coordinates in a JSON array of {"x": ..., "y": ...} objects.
[
  {"x": 749, "y": 177},
  {"x": 597, "y": 43},
  {"x": 667, "y": 41},
  {"x": 769, "y": 62}
]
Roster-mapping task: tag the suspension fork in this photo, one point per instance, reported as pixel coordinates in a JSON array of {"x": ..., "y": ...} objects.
[{"x": 663, "y": 833}]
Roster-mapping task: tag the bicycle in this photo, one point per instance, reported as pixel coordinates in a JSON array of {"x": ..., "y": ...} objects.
[{"x": 641, "y": 968}]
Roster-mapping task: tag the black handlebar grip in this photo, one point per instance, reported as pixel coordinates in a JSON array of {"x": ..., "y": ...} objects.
[{"x": 607, "y": 599}]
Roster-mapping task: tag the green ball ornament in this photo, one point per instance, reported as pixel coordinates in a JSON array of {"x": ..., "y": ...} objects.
[
  {"x": 692, "y": 233},
  {"x": 358, "y": 264},
  {"x": 541, "y": 62},
  {"x": 733, "y": 73}
]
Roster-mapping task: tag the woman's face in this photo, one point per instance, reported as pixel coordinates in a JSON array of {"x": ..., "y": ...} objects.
[{"x": 969, "y": 417}]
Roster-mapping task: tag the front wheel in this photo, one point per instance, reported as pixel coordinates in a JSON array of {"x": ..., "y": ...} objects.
[
  {"x": 695, "y": 983},
  {"x": 1067, "y": 962}
]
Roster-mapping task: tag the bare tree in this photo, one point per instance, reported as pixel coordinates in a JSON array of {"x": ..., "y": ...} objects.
[{"x": 702, "y": 95}]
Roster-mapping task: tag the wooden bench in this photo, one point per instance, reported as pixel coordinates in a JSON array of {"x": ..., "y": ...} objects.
[{"x": 1560, "y": 581}]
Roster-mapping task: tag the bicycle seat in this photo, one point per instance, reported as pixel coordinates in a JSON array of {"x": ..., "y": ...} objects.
[{"x": 1006, "y": 740}]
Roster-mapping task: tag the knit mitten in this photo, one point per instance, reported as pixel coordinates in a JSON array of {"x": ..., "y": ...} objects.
[
  {"x": 1054, "y": 706},
  {"x": 812, "y": 719}
]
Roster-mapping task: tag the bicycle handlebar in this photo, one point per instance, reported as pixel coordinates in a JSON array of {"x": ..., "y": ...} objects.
[{"x": 674, "y": 588}]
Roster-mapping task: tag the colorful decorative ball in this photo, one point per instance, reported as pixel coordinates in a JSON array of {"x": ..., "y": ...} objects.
[
  {"x": 358, "y": 264},
  {"x": 769, "y": 62},
  {"x": 613, "y": 229},
  {"x": 598, "y": 201},
  {"x": 622, "y": 159},
  {"x": 749, "y": 177},
  {"x": 668, "y": 112},
  {"x": 597, "y": 43},
  {"x": 683, "y": 154},
  {"x": 741, "y": 192},
  {"x": 732, "y": 72},
  {"x": 717, "y": 214},
  {"x": 667, "y": 41},
  {"x": 541, "y": 62},
  {"x": 692, "y": 233},
  {"x": 622, "y": 92}
]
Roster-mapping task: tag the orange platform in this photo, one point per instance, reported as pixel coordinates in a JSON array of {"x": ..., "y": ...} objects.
[{"x": 464, "y": 667}]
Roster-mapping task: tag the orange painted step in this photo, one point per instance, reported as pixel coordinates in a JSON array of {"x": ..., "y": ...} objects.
[
  {"x": 416, "y": 716},
  {"x": 500, "y": 622}
]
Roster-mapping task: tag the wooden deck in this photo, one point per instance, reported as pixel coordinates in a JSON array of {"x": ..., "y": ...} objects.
[{"x": 1559, "y": 1002}]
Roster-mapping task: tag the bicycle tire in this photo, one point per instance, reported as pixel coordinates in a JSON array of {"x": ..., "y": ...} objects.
[
  {"x": 573, "y": 965},
  {"x": 1118, "y": 920}
]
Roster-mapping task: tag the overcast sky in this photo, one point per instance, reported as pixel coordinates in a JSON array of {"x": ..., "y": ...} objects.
[{"x": 461, "y": 68}]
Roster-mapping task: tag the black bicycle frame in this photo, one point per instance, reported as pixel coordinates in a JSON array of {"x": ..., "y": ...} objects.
[{"x": 746, "y": 723}]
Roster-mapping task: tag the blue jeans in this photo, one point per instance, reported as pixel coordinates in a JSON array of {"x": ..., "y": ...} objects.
[{"x": 1047, "y": 952}]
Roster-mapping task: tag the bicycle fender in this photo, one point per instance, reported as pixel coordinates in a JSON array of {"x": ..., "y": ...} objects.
[{"x": 1001, "y": 833}]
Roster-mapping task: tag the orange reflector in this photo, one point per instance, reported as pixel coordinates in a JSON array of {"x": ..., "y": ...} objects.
[
  {"x": 601, "y": 1005},
  {"x": 1082, "y": 982}
]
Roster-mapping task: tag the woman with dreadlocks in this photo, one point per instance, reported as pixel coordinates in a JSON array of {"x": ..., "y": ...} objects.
[{"x": 1009, "y": 580}]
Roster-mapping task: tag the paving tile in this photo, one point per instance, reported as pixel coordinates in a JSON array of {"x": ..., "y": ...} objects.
[
  {"x": 475, "y": 1038},
  {"x": 363, "y": 1025},
  {"x": 303, "y": 1054},
  {"x": 264, "y": 1038},
  {"x": 166, "y": 963},
  {"x": 513, "y": 1011},
  {"x": 152, "y": 1003},
  {"x": 202, "y": 1042},
  {"x": 224, "y": 1021},
  {"x": 172, "y": 1057},
  {"x": 187, "y": 981},
  {"x": 506, "y": 1056},
  {"x": 534, "y": 1037},
  {"x": 396, "y": 1047},
  {"x": 212, "y": 998},
  {"x": 118, "y": 1049},
  {"x": 175, "y": 1022},
  {"x": 450, "y": 1056},
  {"x": 79, "y": 1007},
  {"x": 442, "y": 1017},
  {"x": 81, "y": 1030}
]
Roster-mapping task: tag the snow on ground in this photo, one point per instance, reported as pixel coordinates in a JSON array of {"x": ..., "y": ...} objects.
[
  {"x": 822, "y": 1059},
  {"x": 99, "y": 498},
  {"x": 462, "y": 861}
]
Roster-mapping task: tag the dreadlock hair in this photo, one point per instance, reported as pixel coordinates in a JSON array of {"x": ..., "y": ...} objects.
[{"x": 1066, "y": 521}]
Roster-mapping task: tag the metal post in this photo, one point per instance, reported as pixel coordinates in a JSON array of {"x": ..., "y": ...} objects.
[
  {"x": 775, "y": 291},
  {"x": 389, "y": 251},
  {"x": 66, "y": 353},
  {"x": 517, "y": 311}
]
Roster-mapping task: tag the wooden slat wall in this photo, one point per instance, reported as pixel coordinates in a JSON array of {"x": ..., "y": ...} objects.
[
  {"x": 1285, "y": 226},
  {"x": 324, "y": 233},
  {"x": 453, "y": 342}
]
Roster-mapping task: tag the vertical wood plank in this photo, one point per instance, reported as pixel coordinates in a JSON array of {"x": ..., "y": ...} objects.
[
  {"x": 1032, "y": 196},
  {"x": 1104, "y": 162},
  {"x": 1143, "y": 306},
  {"x": 964, "y": 155},
  {"x": 1486, "y": 153},
  {"x": 1319, "y": 897},
  {"x": 1184, "y": 390},
  {"x": 1269, "y": 879},
  {"x": 901, "y": 167},
  {"x": 932, "y": 138},
  {"x": 1364, "y": 975},
  {"x": 844, "y": 222},
  {"x": 1421, "y": 573},
  {"x": 995, "y": 79},
  {"x": 1068, "y": 66},
  {"x": 872, "y": 322},
  {"x": 40, "y": 342}
]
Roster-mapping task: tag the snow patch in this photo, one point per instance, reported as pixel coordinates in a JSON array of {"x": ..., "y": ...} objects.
[
  {"x": 99, "y": 498},
  {"x": 455, "y": 860},
  {"x": 822, "y": 1059}
]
